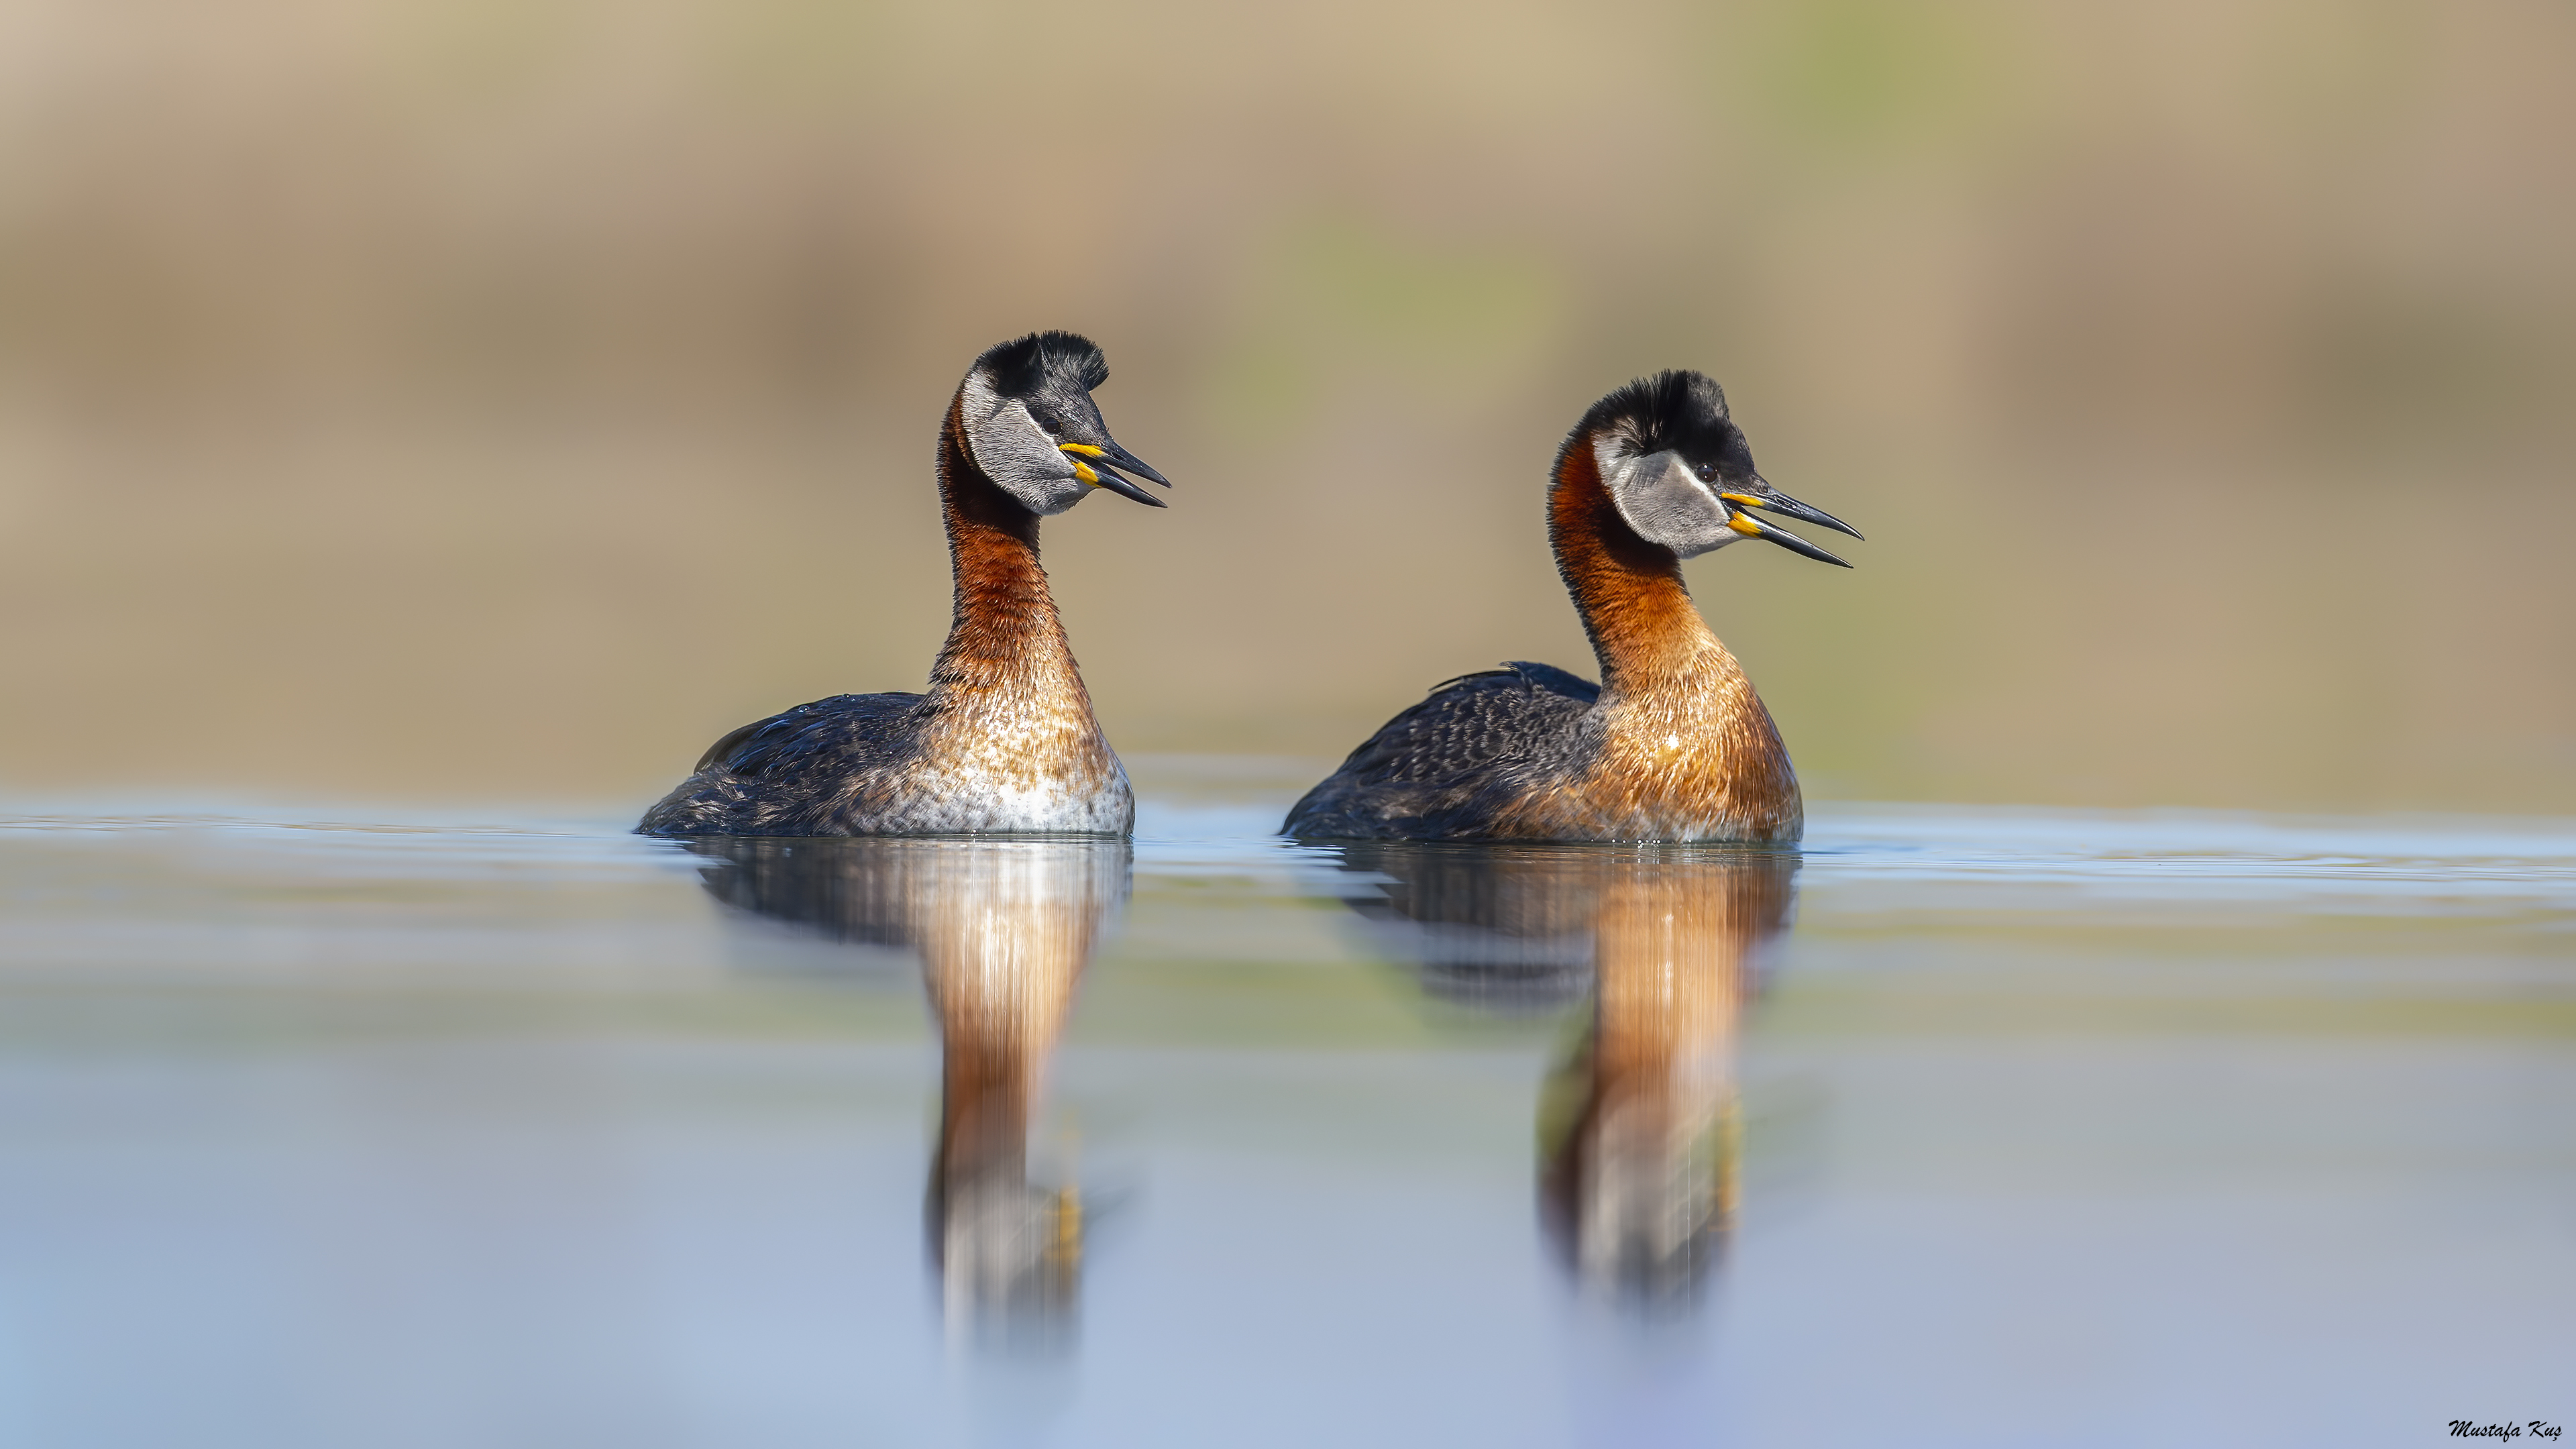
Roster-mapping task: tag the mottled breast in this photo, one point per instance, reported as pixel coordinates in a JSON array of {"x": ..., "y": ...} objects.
[
  {"x": 1012, "y": 765},
  {"x": 1677, "y": 768}
]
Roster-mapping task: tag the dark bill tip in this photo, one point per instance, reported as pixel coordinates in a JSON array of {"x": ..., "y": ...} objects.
[
  {"x": 1773, "y": 533},
  {"x": 1125, "y": 489},
  {"x": 1133, "y": 464}
]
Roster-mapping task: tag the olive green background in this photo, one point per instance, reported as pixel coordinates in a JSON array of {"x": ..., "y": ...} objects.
[{"x": 493, "y": 401}]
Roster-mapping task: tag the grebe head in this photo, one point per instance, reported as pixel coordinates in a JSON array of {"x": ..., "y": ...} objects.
[
  {"x": 1033, "y": 429},
  {"x": 1680, "y": 472}
]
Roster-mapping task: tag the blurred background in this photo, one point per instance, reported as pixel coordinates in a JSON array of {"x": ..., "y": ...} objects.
[{"x": 497, "y": 401}]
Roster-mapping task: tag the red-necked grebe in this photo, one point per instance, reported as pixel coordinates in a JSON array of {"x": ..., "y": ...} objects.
[
  {"x": 1673, "y": 744},
  {"x": 1004, "y": 740}
]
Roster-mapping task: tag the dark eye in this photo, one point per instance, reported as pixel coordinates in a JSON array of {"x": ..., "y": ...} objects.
[
  {"x": 1049, "y": 421},
  {"x": 1708, "y": 472}
]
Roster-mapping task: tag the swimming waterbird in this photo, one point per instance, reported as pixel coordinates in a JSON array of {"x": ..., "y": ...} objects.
[
  {"x": 1004, "y": 739},
  {"x": 1673, "y": 744}
]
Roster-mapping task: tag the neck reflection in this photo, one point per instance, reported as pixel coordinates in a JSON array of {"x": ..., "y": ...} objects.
[
  {"x": 1639, "y": 1130},
  {"x": 1004, "y": 929}
]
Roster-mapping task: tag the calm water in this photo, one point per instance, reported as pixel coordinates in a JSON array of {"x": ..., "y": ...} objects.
[{"x": 1958, "y": 1127}]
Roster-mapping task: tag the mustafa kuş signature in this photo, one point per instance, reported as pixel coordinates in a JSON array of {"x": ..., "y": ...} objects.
[{"x": 2472, "y": 1429}]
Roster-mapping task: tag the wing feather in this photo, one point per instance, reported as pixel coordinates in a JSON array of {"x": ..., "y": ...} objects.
[
  {"x": 783, "y": 774},
  {"x": 1437, "y": 754}
]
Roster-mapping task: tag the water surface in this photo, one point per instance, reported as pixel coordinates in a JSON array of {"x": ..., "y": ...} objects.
[{"x": 1958, "y": 1126}]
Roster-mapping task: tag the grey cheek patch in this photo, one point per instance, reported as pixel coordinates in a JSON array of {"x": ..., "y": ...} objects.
[
  {"x": 1666, "y": 505},
  {"x": 1008, "y": 446}
]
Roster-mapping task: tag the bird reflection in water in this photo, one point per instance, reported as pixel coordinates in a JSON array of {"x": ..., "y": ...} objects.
[
  {"x": 1639, "y": 1129},
  {"x": 1003, "y": 928}
]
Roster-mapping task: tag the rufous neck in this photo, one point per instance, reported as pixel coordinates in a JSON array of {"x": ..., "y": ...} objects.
[
  {"x": 1004, "y": 631},
  {"x": 1644, "y": 629}
]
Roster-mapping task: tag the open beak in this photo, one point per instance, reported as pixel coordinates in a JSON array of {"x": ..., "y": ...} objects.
[
  {"x": 1772, "y": 500},
  {"x": 1097, "y": 465}
]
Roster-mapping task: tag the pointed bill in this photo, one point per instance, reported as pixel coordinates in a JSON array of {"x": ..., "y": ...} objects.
[
  {"x": 1091, "y": 465},
  {"x": 1752, "y": 527},
  {"x": 1772, "y": 500}
]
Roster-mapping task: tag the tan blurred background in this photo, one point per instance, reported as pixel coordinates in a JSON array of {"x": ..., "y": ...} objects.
[{"x": 498, "y": 400}]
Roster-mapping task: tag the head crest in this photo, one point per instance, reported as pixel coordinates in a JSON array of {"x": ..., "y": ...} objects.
[
  {"x": 1026, "y": 365},
  {"x": 1681, "y": 410}
]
